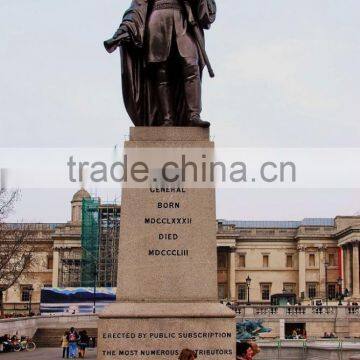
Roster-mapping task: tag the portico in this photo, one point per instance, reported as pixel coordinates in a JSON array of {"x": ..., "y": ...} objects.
[
  {"x": 350, "y": 243},
  {"x": 313, "y": 258}
]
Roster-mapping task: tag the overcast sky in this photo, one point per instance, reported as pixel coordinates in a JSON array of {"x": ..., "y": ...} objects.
[{"x": 287, "y": 75}]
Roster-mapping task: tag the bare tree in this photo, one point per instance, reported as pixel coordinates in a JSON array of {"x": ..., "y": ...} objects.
[{"x": 15, "y": 249}]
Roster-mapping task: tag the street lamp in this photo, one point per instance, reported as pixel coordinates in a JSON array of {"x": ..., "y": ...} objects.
[
  {"x": 339, "y": 281},
  {"x": 95, "y": 263},
  {"x": 248, "y": 282},
  {"x": 30, "y": 290},
  {"x": 94, "y": 294}
]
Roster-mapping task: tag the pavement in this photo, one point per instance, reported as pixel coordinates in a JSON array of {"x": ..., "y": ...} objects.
[{"x": 43, "y": 354}]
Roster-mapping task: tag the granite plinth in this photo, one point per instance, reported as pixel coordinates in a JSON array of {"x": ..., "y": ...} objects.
[
  {"x": 167, "y": 269},
  {"x": 161, "y": 134},
  {"x": 162, "y": 330}
]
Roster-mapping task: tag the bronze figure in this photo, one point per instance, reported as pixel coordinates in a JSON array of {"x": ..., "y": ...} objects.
[{"x": 162, "y": 56}]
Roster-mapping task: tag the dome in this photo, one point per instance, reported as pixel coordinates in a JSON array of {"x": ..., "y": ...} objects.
[{"x": 80, "y": 195}]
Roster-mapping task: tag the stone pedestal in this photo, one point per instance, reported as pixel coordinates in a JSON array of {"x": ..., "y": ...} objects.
[{"x": 167, "y": 279}]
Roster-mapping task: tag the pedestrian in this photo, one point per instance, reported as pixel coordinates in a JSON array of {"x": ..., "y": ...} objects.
[
  {"x": 73, "y": 339},
  {"x": 187, "y": 354},
  {"x": 255, "y": 348},
  {"x": 83, "y": 343},
  {"x": 244, "y": 351},
  {"x": 65, "y": 344}
]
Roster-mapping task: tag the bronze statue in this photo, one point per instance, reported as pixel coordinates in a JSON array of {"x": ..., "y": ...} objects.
[{"x": 163, "y": 55}]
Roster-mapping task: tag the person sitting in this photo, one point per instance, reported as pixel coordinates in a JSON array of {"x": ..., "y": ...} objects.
[
  {"x": 7, "y": 346},
  {"x": 244, "y": 351},
  {"x": 187, "y": 354}
]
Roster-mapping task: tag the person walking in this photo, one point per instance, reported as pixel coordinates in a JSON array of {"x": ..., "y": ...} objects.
[
  {"x": 244, "y": 351},
  {"x": 65, "y": 344},
  {"x": 83, "y": 343},
  {"x": 73, "y": 339}
]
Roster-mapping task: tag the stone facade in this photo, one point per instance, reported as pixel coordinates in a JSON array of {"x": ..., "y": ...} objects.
[
  {"x": 18, "y": 299},
  {"x": 276, "y": 255},
  {"x": 301, "y": 257}
]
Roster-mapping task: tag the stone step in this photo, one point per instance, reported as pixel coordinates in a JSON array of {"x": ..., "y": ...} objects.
[{"x": 52, "y": 337}]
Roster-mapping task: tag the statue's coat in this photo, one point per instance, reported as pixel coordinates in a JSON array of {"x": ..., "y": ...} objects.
[{"x": 138, "y": 88}]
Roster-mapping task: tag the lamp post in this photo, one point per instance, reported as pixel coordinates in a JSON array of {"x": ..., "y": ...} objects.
[
  {"x": 30, "y": 290},
  {"x": 248, "y": 282},
  {"x": 339, "y": 281},
  {"x": 1, "y": 303},
  {"x": 94, "y": 295},
  {"x": 95, "y": 263}
]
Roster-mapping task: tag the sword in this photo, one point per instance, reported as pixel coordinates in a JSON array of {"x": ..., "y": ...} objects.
[{"x": 198, "y": 37}]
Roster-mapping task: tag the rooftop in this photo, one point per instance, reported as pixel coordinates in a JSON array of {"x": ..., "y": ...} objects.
[{"x": 279, "y": 224}]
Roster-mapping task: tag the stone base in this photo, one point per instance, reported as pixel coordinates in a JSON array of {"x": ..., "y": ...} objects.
[{"x": 162, "y": 330}]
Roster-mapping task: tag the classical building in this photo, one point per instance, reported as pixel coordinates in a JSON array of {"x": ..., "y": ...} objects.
[
  {"x": 305, "y": 257},
  {"x": 19, "y": 297},
  {"x": 72, "y": 254},
  {"x": 313, "y": 258}
]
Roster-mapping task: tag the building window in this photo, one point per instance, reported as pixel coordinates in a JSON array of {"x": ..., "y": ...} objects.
[
  {"x": 241, "y": 291},
  {"x": 332, "y": 261},
  {"x": 265, "y": 261},
  {"x": 289, "y": 288},
  {"x": 312, "y": 290},
  {"x": 25, "y": 292},
  {"x": 70, "y": 268},
  {"x": 289, "y": 261},
  {"x": 222, "y": 291},
  {"x": 312, "y": 260},
  {"x": 331, "y": 288},
  {"x": 49, "y": 265},
  {"x": 265, "y": 291},
  {"x": 222, "y": 260},
  {"x": 241, "y": 261}
]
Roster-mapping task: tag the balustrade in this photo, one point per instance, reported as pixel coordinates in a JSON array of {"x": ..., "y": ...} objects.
[{"x": 267, "y": 311}]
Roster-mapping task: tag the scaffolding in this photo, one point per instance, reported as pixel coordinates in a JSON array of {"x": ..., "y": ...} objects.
[
  {"x": 100, "y": 243},
  {"x": 89, "y": 241},
  {"x": 109, "y": 232}
]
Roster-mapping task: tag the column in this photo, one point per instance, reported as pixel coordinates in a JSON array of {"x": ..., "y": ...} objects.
[
  {"x": 232, "y": 275},
  {"x": 282, "y": 329},
  {"x": 347, "y": 267},
  {"x": 302, "y": 270},
  {"x": 342, "y": 270},
  {"x": 55, "y": 271},
  {"x": 322, "y": 259},
  {"x": 355, "y": 264}
]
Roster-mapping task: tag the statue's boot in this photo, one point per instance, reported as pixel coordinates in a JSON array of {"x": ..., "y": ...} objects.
[
  {"x": 193, "y": 95},
  {"x": 164, "y": 94}
]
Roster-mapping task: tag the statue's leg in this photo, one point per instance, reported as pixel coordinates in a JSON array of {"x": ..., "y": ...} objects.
[
  {"x": 164, "y": 93},
  {"x": 192, "y": 84}
]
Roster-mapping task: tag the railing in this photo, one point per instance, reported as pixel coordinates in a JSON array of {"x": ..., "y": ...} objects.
[
  {"x": 308, "y": 349},
  {"x": 353, "y": 310},
  {"x": 267, "y": 311}
]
